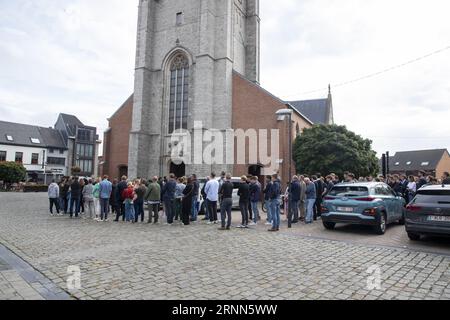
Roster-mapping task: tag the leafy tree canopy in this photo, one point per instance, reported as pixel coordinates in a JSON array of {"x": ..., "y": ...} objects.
[
  {"x": 12, "y": 172},
  {"x": 334, "y": 149}
]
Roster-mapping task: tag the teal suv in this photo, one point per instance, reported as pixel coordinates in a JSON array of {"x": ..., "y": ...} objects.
[{"x": 371, "y": 203}]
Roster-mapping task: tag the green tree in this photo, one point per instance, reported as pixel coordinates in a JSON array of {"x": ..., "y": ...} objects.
[
  {"x": 11, "y": 172},
  {"x": 334, "y": 149},
  {"x": 76, "y": 171}
]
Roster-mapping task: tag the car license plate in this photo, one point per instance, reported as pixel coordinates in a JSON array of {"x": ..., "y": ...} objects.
[
  {"x": 439, "y": 218},
  {"x": 345, "y": 209}
]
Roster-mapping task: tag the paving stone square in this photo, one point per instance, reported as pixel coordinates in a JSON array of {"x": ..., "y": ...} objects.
[{"x": 141, "y": 261}]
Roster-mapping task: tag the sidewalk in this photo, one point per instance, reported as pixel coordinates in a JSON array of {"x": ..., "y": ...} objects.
[{"x": 19, "y": 281}]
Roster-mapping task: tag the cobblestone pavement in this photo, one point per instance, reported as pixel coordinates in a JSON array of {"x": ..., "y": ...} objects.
[
  {"x": 123, "y": 261},
  {"x": 19, "y": 281}
]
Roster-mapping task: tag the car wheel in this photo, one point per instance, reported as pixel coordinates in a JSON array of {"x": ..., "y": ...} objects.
[
  {"x": 329, "y": 225},
  {"x": 381, "y": 227},
  {"x": 413, "y": 236}
]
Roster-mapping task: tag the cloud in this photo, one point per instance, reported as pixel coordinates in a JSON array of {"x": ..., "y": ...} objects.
[
  {"x": 65, "y": 56},
  {"x": 307, "y": 45}
]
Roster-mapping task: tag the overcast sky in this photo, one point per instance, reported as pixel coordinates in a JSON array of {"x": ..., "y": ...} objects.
[{"x": 77, "y": 56}]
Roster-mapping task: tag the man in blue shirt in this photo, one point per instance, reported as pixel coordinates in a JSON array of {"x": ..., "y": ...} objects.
[
  {"x": 212, "y": 195},
  {"x": 311, "y": 195},
  {"x": 105, "y": 190},
  {"x": 275, "y": 202}
]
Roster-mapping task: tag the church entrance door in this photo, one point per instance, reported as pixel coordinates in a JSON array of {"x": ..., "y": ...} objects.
[{"x": 178, "y": 170}]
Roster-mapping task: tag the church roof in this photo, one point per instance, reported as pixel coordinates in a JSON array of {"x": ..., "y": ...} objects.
[
  {"x": 130, "y": 99},
  {"x": 257, "y": 85},
  {"x": 318, "y": 111}
]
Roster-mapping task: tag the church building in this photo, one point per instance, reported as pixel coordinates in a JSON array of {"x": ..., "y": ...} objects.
[{"x": 198, "y": 61}]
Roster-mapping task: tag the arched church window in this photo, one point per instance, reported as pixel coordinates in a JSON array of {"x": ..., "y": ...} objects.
[{"x": 179, "y": 93}]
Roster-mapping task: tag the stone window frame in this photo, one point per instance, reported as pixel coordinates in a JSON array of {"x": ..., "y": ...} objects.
[{"x": 179, "y": 76}]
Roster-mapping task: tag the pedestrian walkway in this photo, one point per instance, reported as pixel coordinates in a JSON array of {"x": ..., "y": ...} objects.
[{"x": 19, "y": 281}]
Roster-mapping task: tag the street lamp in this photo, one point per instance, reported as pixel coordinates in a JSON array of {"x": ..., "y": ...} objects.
[{"x": 281, "y": 116}]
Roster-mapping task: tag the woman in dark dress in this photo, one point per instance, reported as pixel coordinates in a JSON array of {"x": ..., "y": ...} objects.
[{"x": 187, "y": 202}]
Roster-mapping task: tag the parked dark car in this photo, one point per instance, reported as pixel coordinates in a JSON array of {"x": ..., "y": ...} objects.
[
  {"x": 370, "y": 203},
  {"x": 429, "y": 212}
]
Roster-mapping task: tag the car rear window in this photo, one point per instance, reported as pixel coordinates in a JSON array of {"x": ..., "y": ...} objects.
[
  {"x": 348, "y": 191},
  {"x": 433, "y": 196}
]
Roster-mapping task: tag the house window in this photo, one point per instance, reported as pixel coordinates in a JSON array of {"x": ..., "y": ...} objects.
[
  {"x": 35, "y": 158},
  {"x": 85, "y": 150},
  {"x": 35, "y": 140},
  {"x": 9, "y": 138},
  {"x": 179, "y": 93},
  {"x": 85, "y": 165},
  {"x": 56, "y": 161},
  {"x": 180, "y": 18},
  {"x": 19, "y": 157},
  {"x": 61, "y": 151},
  {"x": 84, "y": 135},
  {"x": 51, "y": 151},
  {"x": 2, "y": 156}
]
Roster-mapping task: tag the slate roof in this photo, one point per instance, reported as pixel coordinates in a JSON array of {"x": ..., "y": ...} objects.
[
  {"x": 71, "y": 122},
  {"x": 52, "y": 138},
  {"x": 22, "y": 134},
  {"x": 426, "y": 160},
  {"x": 317, "y": 111}
]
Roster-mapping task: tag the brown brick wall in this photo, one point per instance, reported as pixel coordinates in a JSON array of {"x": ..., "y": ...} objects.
[
  {"x": 116, "y": 140},
  {"x": 254, "y": 107},
  {"x": 443, "y": 166}
]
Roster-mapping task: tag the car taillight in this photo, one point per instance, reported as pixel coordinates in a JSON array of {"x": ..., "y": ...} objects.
[
  {"x": 370, "y": 212},
  {"x": 365, "y": 199},
  {"x": 324, "y": 209},
  {"x": 413, "y": 208}
]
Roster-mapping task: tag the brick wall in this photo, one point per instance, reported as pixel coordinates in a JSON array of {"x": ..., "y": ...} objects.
[
  {"x": 254, "y": 107},
  {"x": 116, "y": 140},
  {"x": 443, "y": 166}
]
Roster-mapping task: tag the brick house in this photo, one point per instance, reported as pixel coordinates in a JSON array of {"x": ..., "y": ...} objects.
[{"x": 433, "y": 162}]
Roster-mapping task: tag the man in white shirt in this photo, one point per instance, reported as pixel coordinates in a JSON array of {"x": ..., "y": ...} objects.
[{"x": 212, "y": 195}]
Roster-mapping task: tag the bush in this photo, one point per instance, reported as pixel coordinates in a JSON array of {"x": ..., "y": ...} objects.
[
  {"x": 35, "y": 188},
  {"x": 12, "y": 172}
]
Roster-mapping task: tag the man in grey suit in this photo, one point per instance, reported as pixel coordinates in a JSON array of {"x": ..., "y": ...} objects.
[{"x": 302, "y": 198}]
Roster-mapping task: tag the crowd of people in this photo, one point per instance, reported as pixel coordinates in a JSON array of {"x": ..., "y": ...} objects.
[{"x": 178, "y": 198}]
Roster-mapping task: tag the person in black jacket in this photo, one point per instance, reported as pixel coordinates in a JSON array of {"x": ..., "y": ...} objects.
[
  {"x": 75, "y": 194},
  {"x": 267, "y": 191},
  {"x": 226, "y": 204},
  {"x": 63, "y": 190},
  {"x": 446, "y": 178},
  {"x": 121, "y": 186},
  {"x": 319, "y": 189},
  {"x": 422, "y": 180},
  {"x": 244, "y": 198},
  {"x": 294, "y": 199}
]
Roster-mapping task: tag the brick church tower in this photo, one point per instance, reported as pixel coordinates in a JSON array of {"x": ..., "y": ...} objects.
[{"x": 186, "y": 53}]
